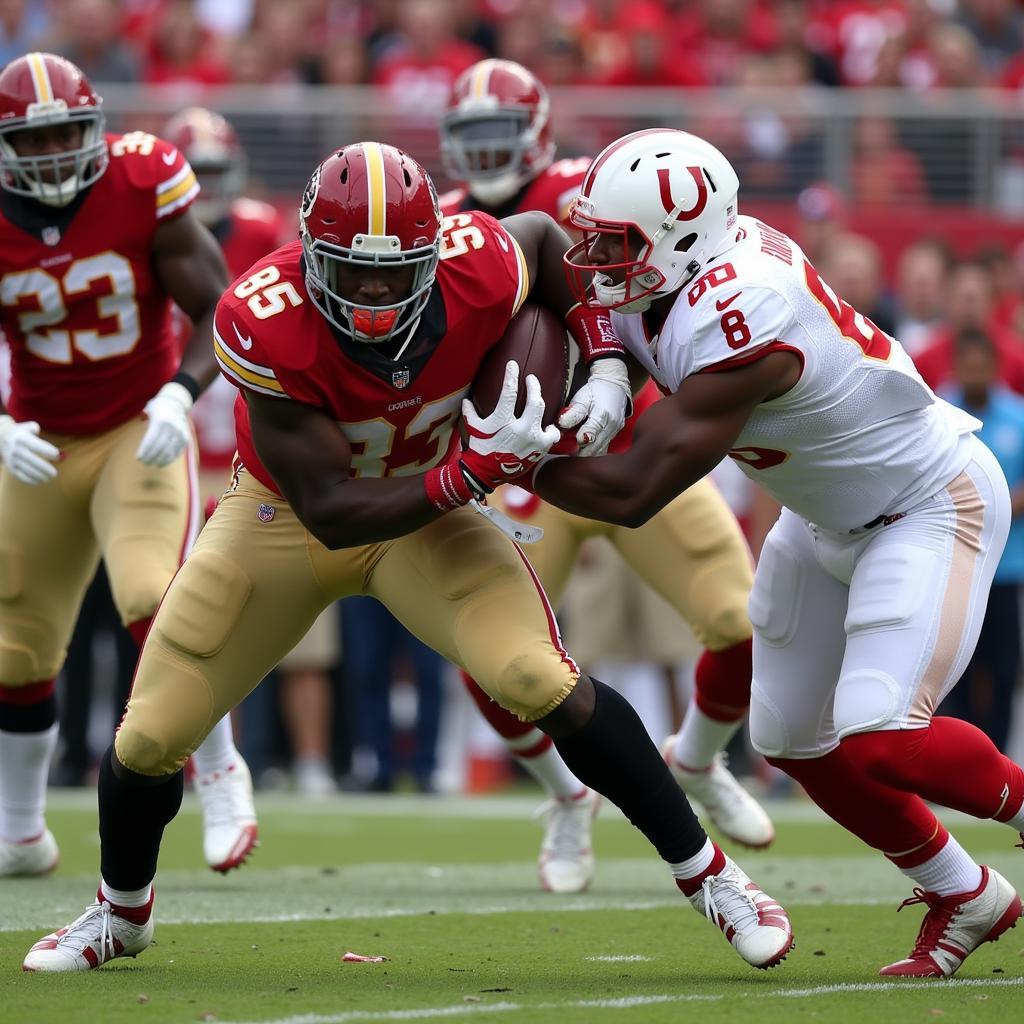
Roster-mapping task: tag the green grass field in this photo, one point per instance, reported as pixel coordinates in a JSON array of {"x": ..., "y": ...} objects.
[{"x": 447, "y": 890}]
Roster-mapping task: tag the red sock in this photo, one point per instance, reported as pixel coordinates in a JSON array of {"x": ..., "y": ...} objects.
[
  {"x": 887, "y": 819},
  {"x": 951, "y": 763},
  {"x": 138, "y": 629},
  {"x": 722, "y": 682},
  {"x": 504, "y": 723},
  {"x": 689, "y": 886},
  {"x": 137, "y": 915}
]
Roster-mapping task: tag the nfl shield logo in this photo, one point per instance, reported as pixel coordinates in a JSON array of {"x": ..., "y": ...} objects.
[
  {"x": 51, "y": 235},
  {"x": 400, "y": 379},
  {"x": 265, "y": 513}
]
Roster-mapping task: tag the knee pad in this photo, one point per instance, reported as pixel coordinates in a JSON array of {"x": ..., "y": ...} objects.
[
  {"x": 768, "y": 732},
  {"x": 203, "y": 605},
  {"x": 865, "y": 700},
  {"x": 170, "y": 712},
  {"x": 19, "y": 663},
  {"x": 533, "y": 684},
  {"x": 12, "y": 579}
]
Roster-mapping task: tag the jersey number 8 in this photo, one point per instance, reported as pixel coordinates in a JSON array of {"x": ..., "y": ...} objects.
[{"x": 266, "y": 293}]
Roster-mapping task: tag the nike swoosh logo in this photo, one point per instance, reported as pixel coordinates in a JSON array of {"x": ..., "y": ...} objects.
[
  {"x": 168, "y": 158},
  {"x": 245, "y": 342},
  {"x": 502, "y": 242},
  {"x": 725, "y": 303}
]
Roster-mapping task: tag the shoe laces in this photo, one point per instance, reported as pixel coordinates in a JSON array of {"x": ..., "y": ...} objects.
[
  {"x": 726, "y": 896},
  {"x": 935, "y": 924},
  {"x": 83, "y": 929},
  {"x": 566, "y": 827}
]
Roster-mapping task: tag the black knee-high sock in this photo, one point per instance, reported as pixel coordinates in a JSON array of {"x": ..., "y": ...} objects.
[
  {"x": 133, "y": 812},
  {"x": 614, "y": 754}
]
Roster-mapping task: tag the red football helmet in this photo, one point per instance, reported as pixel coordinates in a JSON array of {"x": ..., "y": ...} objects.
[
  {"x": 210, "y": 145},
  {"x": 496, "y": 135},
  {"x": 38, "y": 90},
  {"x": 370, "y": 204}
]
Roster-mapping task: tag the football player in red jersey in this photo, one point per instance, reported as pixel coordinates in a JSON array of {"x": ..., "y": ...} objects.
[
  {"x": 497, "y": 137},
  {"x": 353, "y": 351},
  {"x": 96, "y": 238}
]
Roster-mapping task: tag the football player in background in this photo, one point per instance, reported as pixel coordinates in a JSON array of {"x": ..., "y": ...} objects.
[
  {"x": 97, "y": 237},
  {"x": 247, "y": 230},
  {"x": 353, "y": 351},
  {"x": 871, "y": 588},
  {"x": 497, "y": 137}
]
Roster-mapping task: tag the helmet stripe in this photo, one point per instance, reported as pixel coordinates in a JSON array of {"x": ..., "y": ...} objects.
[
  {"x": 481, "y": 76},
  {"x": 377, "y": 188},
  {"x": 588, "y": 181},
  {"x": 40, "y": 78}
]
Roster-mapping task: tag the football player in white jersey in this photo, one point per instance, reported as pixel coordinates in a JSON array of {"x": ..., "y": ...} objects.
[{"x": 871, "y": 588}]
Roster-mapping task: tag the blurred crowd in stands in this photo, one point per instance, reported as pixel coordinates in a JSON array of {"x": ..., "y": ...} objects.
[{"x": 420, "y": 46}]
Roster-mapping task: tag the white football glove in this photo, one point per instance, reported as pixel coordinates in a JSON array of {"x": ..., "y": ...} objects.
[
  {"x": 503, "y": 446},
  {"x": 600, "y": 407},
  {"x": 28, "y": 457},
  {"x": 168, "y": 432}
]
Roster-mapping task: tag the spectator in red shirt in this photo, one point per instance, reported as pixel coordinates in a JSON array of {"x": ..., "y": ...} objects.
[
  {"x": 971, "y": 307},
  {"x": 426, "y": 57},
  {"x": 725, "y": 33},
  {"x": 649, "y": 59},
  {"x": 854, "y": 32},
  {"x": 884, "y": 173},
  {"x": 181, "y": 51}
]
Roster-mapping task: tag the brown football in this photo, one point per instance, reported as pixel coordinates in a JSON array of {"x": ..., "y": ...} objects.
[{"x": 536, "y": 339}]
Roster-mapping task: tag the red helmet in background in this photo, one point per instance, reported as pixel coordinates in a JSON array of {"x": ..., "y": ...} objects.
[
  {"x": 211, "y": 146},
  {"x": 370, "y": 204},
  {"x": 38, "y": 90},
  {"x": 496, "y": 135}
]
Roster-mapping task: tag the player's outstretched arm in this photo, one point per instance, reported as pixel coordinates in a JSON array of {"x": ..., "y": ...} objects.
[
  {"x": 309, "y": 459},
  {"x": 678, "y": 441}
]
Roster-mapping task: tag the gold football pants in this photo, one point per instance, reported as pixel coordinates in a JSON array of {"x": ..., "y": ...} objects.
[
  {"x": 102, "y": 503},
  {"x": 692, "y": 553},
  {"x": 256, "y": 579}
]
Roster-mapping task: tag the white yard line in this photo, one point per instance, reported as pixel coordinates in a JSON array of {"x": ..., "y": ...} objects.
[{"x": 630, "y": 1002}]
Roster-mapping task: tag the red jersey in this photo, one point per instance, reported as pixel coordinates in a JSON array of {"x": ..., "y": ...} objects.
[
  {"x": 87, "y": 320},
  {"x": 251, "y": 230},
  {"x": 551, "y": 192},
  {"x": 399, "y": 416}
]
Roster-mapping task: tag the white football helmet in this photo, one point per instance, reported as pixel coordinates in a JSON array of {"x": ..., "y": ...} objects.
[{"x": 675, "y": 191}]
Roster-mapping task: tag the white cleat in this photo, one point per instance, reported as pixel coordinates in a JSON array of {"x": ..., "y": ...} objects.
[
  {"x": 89, "y": 941},
  {"x": 28, "y": 857},
  {"x": 955, "y": 926},
  {"x": 230, "y": 832},
  {"x": 751, "y": 920},
  {"x": 732, "y": 810},
  {"x": 566, "y": 862}
]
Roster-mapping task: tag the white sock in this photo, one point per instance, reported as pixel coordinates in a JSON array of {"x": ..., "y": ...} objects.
[
  {"x": 1017, "y": 821},
  {"x": 547, "y": 768},
  {"x": 217, "y": 752},
  {"x": 701, "y": 738},
  {"x": 24, "y": 765},
  {"x": 126, "y": 897},
  {"x": 695, "y": 865},
  {"x": 949, "y": 872}
]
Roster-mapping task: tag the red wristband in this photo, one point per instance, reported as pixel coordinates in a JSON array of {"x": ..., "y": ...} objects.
[
  {"x": 446, "y": 487},
  {"x": 592, "y": 330}
]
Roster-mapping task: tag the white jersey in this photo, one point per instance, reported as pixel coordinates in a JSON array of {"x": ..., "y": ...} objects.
[{"x": 859, "y": 436}]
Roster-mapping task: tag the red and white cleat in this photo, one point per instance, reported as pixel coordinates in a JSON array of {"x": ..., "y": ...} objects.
[
  {"x": 732, "y": 810},
  {"x": 29, "y": 857},
  {"x": 757, "y": 926},
  {"x": 89, "y": 941},
  {"x": 230, "y": 832},
  {"x": 955, "y": 926},
  {"x": 566, "y": 862}
]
